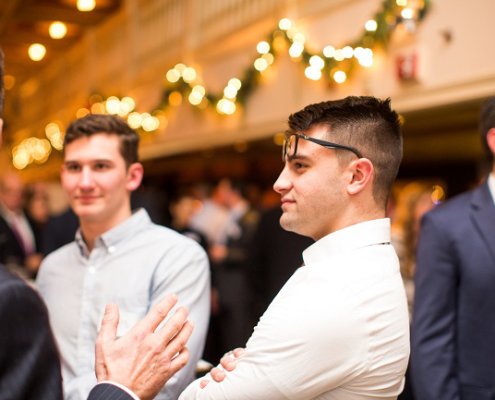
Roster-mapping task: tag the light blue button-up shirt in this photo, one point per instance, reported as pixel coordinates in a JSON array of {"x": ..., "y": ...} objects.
[{"x": 133, "y": 265}]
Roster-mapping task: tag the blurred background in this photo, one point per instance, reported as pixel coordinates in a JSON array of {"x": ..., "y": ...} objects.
[{"x": 209, "y": 84}]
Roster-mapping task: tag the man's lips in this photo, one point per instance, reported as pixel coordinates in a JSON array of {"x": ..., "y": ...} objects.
[
  {"x": 86, "y": 198},
  {"x": 287, "y": 202}
]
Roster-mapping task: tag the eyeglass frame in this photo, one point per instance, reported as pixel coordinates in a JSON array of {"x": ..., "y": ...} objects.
[{"x": 324, "y": 143}]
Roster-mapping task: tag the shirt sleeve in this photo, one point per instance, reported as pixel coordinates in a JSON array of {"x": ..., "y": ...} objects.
[
  {"x": 283, "y": 357},
  {"x": 110, "y": 390},
  {"x": 184, "y": 270}
]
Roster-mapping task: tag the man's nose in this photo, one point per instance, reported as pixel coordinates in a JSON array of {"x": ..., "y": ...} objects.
[
  {"x": 86, "y": 178},
  {"x": 283, "y": 183}
]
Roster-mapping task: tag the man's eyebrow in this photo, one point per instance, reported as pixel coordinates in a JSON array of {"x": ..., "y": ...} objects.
[{"x": 298, "y": 157}]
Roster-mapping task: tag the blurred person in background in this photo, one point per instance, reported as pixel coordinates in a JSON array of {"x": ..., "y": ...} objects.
[
  {"x": 119, "y": 256},
  {"x": 19, "y": 238},
  {"x": 413, "y": 201},
  {"x": 232, "y": 264},
  {"x": 453, "y": 352},
  {"x": 275, "y": 255},
  {"x": 183, "y": 206}
]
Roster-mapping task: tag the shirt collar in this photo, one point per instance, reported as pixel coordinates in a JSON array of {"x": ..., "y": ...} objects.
[
  {"x": 349, "y": 238},
  {"x": 110, "y": 239},
  {"x": 491, "y": 185}
]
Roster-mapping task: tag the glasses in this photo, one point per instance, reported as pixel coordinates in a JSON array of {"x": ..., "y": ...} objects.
[{"x": 291, "y": 140}]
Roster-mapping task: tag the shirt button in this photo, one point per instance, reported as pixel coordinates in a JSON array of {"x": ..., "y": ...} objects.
[
  {"x": 92, "y": 269},
  {"x": 111, "y": 249}
]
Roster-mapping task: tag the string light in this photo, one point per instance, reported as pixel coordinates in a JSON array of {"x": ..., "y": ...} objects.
[
  {"x": 407, "y": 13},
  {"x": 371, "y": 25},
  {"x": 285, "y": 24},
  {"x": 286, "y": 36},
  {"x": 339, "y": 76},
  {"x": 263, "y": 47},
  {"x": 37, "y": 52},
  {"x": 86, "y": 5},
  {"x": 57, "y": 30}
]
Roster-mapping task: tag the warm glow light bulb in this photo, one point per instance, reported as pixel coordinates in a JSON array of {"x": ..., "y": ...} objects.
[
  {"x": 339, "y": 76},
  {"x": 86, "y": 5},
  {"x": 269, "y": 58},
  {"x": 284, "y": 24},
  {"x": 236, "y": 83},
  {"x": 189, "y": 74},
  {"x": 339, "y": 55},
  {"x": 134, "y": 120},
  {"x": 329, "y": 51},
  {"x": 371, "y": 25},
  {"x": 173, "y": 75},
  {"x": 407, "y": 13},
  {"x": 260, "y": 64},
  {"x": 296, "y": 49},
  {"x": 347, "y": 52},
  {"x": 230, "y": 92},
  {"x": 57, "y": 30},
  {"x": 316, "y": 62},
  {"x": 112, "y": 105},
  {"x": 401, "y": 3},
  {"x": 263, "y": 47},
  {"x": 37, "y": 52},
  {"x": 312, "y": 73}
]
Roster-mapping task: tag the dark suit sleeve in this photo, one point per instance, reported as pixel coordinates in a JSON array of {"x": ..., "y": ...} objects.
[
  {"x": 434, "y": 374},
  {"x": 106, "y": 391},
  {"x": 29, "y": 364}
]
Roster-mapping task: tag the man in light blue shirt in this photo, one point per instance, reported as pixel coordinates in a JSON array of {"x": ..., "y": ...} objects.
[{"x": 118, "y": 256}]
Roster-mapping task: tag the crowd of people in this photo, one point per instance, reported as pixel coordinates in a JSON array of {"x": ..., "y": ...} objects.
[{"x": 332, "y": 278}]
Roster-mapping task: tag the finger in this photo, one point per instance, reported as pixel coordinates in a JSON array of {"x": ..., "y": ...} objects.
[
  {"x": 174, "y": 326},
  {"x": 239, "y": 352},
  {"x": 203, "y": 383},
  {"x": 179, "y": 341},
  {"x": 107, "y": 333},
  {"x": 217, "y": 374},
  {"x": 179, "y": 362},
  {"x": 228, "y": 364},
  {"x": 157, "y": 313},
  {"x": 109, "y": 324}
]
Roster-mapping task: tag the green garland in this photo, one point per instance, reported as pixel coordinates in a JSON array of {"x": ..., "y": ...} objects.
[{"x": 387, "y": 20}]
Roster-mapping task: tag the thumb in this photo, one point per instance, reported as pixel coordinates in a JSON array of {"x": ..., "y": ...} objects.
[{"x": 106, "y": 335}]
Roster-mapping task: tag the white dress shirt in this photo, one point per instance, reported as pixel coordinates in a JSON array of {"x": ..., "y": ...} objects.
[
  {"x": 338, "y": 329},
  {"x": 491, "y": 185},
  {"x": 133, "y": 265}
]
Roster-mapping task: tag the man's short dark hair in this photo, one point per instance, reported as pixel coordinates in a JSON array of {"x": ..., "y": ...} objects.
[
  {"x": 487, "y": 122},
  {"x": 365, "y": 123},
  {"x": 93, "y": 124},
  {"x": 1, "y": 83}
]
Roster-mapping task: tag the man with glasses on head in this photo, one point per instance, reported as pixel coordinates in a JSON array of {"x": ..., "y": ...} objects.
[{"x": 339, "y": 328}]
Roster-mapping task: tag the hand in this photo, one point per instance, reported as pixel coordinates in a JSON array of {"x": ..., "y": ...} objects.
[
  {"x": 143, "y": 360},
  {"x": 227, "y": 363}
]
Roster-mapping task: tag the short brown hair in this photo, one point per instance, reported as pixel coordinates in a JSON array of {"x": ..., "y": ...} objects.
[
  {"x": 93, "y": 124},
  {"x": 365, "y": 123}
]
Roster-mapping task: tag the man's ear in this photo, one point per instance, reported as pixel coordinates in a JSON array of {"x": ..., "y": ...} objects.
[
  {"x": 490, "y": 140},
  {"x": 134, "y": 176},
  {"x": 362, "y": 171}
]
